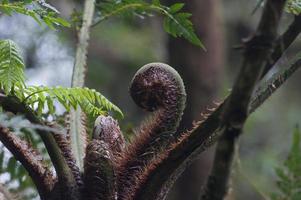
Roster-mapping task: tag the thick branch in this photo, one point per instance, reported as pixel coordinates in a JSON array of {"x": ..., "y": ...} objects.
[
  {"x": 30, "y": 159},
  {"x": 283, "y": 42},
  {"x": 225, "y": 150},
  {"x": 258, "y": 50},
  {"x": 257, "y": 53},
  {"x": 65, "y": 177}
]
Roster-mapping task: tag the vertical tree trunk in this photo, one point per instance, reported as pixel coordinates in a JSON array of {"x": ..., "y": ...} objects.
[{"x": 201, "y": 73}]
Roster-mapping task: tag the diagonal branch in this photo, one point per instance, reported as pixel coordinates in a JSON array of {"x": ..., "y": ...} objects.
[
  {"x": 223, "y": 161},
  {"x": 217, "y": 183},
  {"x": 30, "y": 159},
  {"x": 283, "y": 42},
  {"x": 166, "y": 168},
  {"x": 257, "y": 53},
  {"x": 65, "y": 176},
  {"x": 233, "y": 112}
]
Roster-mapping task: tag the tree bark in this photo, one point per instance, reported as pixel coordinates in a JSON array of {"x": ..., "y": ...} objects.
[{"x": 201, "y": 72}]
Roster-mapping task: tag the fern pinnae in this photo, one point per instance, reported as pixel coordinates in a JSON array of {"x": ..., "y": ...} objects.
[
  {"x": 11, "y": 66},
  {"x": 91, "y": 101}
]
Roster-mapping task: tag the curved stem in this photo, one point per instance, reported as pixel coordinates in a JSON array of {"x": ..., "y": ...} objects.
[
  {"x": 156, "y": 87},
  {"x": 30, "y": 159},
  {"x": 163, "y": 170},
  {"x": 65, "y": 176}
]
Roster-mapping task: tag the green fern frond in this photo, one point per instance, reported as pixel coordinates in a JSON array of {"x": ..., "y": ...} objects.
[
  {"x": 91, "y": 102},
  {"x": 39, "y": 10},
  {"x": 176, "y": 23},
  {"x": 11, "y": 66},
  {"x": 39, "y": 97},
  {"x": 289, "y": 176}
]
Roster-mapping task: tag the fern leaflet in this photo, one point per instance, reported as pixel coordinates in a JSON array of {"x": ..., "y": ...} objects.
[
  {"x": 91, "y": 102},
  {"x": 40, "y": 97},
  {"x": 11, "y": 66},
  {"x": 289, "y": 176},
  {"x": 39, "y": 10}
]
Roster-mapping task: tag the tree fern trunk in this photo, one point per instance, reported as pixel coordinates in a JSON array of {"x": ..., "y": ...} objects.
[{"x": 200, "y": 71}]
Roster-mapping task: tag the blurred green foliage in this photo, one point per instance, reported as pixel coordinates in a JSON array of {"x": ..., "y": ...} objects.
[
  {"x": 289, "y": 176},
  {"x": 39, "y": 10}
]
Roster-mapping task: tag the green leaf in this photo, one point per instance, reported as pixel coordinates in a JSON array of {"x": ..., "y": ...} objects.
[
  {"x": 180, "y": 25},
  {"x": 40, "y": 11},
  {"x": 11, "y": 66},
  {"x": 176, "y": 7},
  {"x": 61, "y": 21},
  {"x": 92, "y": 102},
  {"x": 289, "y": 176},
  {"x": 293, "y": 7}
]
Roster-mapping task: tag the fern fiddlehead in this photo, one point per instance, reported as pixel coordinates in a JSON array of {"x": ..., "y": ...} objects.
[
  {"x": 158, "y": 88},
  {"x": 107, "y": 130},
  {"x": 99, "y": 165}
]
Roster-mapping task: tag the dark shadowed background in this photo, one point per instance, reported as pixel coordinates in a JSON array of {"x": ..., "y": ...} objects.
[{"x": 118, "y": 47}]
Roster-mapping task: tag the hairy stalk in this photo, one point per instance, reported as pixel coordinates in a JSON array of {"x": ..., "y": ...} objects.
[
  {"x": 99, "y": 176},
  {"x": 78, "y": 133},
  {"x": 31, "y": 160},
  {"x": 64, "y": 145},
  {"x": 66, "y": 180},
  {"x": 160, "y": 175},
  {"x": 158, "y": 88},
  {"x": 257, "y": 53},
  {"x": 102, "y": 151}
]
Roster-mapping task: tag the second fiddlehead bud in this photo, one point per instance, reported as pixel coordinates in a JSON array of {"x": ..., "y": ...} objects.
[{"x": 101, "y": 153}]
